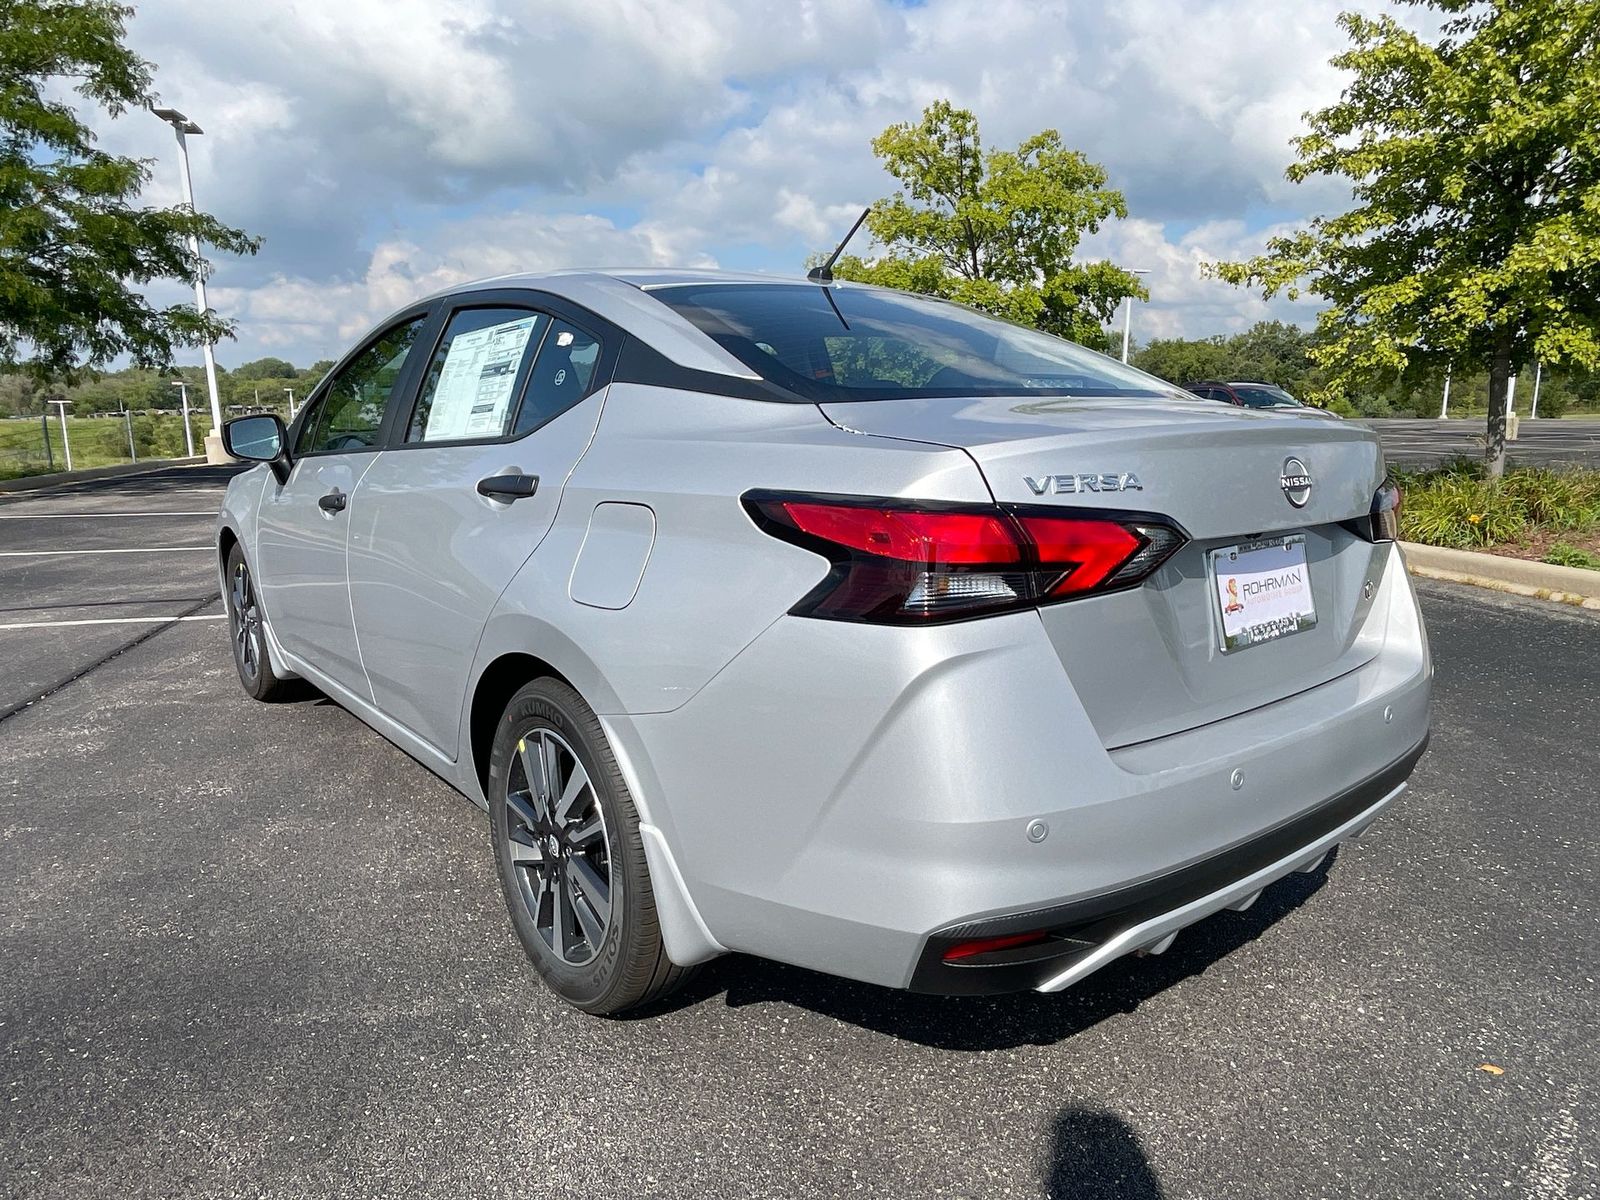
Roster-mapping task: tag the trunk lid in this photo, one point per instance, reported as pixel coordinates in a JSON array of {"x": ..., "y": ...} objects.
[{"x": 1148, "y": 662}]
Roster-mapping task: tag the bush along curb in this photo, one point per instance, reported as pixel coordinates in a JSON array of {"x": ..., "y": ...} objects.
[{"x": 1544, "y": 581}]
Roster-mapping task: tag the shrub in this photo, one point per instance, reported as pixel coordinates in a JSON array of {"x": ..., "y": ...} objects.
[
  {"x": 1564, "y": 555},
  {"x": 1453, "y": 505},
  {"x": 1452, "y": 510}
]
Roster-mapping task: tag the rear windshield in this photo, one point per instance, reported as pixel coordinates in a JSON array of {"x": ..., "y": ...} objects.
[
  {"x": 843, "y": 343},
  {"x": 1265, "y": 397}
]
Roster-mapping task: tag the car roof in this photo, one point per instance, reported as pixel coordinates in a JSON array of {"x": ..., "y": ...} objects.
[{"x": 622, "y": 297}]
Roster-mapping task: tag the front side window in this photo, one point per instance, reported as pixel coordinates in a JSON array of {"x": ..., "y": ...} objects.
[
  {"x": 350, "y": 410},
  {"x": 850, "y": 343},
  {"x": 476, "y": 375}
]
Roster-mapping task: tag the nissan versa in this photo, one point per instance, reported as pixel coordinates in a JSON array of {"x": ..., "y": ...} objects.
[{"x": 821, "y": 622}]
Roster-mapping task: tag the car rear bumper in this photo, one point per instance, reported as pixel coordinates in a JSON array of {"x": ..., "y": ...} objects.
[
  {"x": 1086, "y": 934},
  {"x": 840, "y": 797}
]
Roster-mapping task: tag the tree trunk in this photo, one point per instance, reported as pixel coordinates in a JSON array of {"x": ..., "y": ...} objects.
[{"x": 1494, "y": 443}]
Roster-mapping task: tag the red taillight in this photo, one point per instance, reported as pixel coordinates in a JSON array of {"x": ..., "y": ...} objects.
[
  {"x": 1089, "y": 550},
  {"x": 909, "y": 535},
  {"x": 900, "y": 562}
]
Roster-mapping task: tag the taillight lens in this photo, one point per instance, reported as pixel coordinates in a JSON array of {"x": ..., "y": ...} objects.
[
  {"x": 900, "y": 562},
  {"x": 1386, "y": 512}
]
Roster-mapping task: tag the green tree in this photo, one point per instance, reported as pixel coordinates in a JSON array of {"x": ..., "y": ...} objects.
[
  {"x": 994, "y": 229},
  {"x": 76, "y": 250},
  {"x": 1474, "y": 159},
  {"x": 265, "y": 368}
]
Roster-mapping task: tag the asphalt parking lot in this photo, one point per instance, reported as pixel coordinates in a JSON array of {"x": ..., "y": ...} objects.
[
  {"x": 255, "y": 950},
  {"x": 1571, "y": 441}
]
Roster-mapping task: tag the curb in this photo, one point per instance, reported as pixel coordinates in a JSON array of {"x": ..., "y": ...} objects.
[
  {"x": 1543, "y": 581},
  {"x": 30, "y": 483}
]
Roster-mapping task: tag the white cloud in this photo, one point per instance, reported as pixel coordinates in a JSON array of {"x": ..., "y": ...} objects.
[
  {"x": 371, "y": 141},
  {"x": 292, "y": 311}
]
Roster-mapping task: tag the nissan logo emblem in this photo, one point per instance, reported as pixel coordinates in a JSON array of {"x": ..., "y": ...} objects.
[{"x": 1296, "y": 482}]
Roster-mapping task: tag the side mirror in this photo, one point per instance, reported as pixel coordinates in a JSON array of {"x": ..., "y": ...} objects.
[{"x": 258, "y": 439}]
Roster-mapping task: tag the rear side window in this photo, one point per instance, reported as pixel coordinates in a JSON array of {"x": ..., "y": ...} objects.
[
  {"x": 350, "y": 410},
  {"x": 828, "y": 343},
  {"x": 563, "y": 374},
  {"x": 477, "y": 374}
]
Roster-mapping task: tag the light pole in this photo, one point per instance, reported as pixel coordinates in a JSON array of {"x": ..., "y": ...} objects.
[
  {"x": 182, "y": 126},
  {"x": 291, "y": 402},
  {"x": 1127, "y": 315},
  {"x": 1538, "y": 369},
  {"x": 66, "y": 447},
  {"x": 188, "y": 434},
  {"x": 1444, "y": 409}
]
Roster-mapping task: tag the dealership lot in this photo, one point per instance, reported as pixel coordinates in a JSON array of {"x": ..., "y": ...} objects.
[
  {"x": 1571, "y": 441},
  {"x": 89, "y": 568},
  {"x": 257, "y": 950}
]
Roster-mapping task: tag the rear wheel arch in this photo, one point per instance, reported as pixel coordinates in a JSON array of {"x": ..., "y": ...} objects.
[{"x": 500, "y": 681}]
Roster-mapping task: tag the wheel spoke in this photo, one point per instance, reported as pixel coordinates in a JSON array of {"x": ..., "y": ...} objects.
[
  {"x": 525, "y": 854},
  {"x": 592, "y": 926},
  {"x": 581, "y": 837},
  {"x": 532, "y": 752},
  {"x": 559, "y": 916},
  {"x": 577, "y": 784},
  {"x": 522, "y": 807},
  {"x": 588, "y": 887}
]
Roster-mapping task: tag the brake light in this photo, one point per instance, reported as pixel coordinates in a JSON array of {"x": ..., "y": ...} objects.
[{"x": 903, "y": 562}]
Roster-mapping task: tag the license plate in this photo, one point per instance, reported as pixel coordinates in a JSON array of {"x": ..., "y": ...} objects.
[{"x": 1263, "y": 590}]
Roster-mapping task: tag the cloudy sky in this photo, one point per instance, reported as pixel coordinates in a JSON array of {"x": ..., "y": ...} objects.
[{"x": 384, "y": 148}]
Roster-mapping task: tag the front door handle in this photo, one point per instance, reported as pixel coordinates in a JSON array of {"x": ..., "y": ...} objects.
[
  {"x": 333, "y": 502},
  {"x": 507, "y": 488}
]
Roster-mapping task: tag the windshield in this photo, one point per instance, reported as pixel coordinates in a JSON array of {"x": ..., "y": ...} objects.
[
  {"x": 1260, "y": 396},
  {"x": 844, "y": 343}
]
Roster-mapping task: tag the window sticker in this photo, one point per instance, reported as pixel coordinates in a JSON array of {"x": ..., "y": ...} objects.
[{"x": 474, "y": 394}]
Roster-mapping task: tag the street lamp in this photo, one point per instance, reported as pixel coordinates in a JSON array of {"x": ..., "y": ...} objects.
[
  {"x": 66, "y": 446},
  {"x": 183, "y": 126},
  {"x": 1127, "y": 316},
  {"x": 188, "y": 434}
]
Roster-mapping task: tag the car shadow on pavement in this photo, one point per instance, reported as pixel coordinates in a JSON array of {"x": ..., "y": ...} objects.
[
  {"x": 996, "y": 1022},
  {"x": 1096, "y": 1155}
]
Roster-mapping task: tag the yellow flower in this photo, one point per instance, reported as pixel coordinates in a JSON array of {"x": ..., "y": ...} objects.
[{"x": 1475, "y": 518}]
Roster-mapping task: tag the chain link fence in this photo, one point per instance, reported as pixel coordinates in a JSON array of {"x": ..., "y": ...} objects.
[{"x": 37, "y": 445}]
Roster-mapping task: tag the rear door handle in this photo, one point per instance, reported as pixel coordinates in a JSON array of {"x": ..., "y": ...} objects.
[
  {"x": 507, "y": 488},
  {"x": 333, "y": 502}
]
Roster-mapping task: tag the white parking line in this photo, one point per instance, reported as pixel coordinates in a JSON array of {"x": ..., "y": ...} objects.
[
  {"x": 97, "y": 515},
  {"x": 138, "y": 550},
  {"x": 112, "y": 621}
]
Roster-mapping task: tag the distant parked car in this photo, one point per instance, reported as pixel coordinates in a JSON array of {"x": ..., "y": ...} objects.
[{"x": 1250, "y": 394}]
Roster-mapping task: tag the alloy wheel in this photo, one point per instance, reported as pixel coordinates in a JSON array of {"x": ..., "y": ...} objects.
[
  {"x": 559, "y": 846},
  {"x": 245, "y": 618}
]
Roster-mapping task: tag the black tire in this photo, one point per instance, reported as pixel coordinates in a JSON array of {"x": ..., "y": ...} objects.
[
  {"x": 247, "y": 633},
  {"x": 550, "y": 865}
]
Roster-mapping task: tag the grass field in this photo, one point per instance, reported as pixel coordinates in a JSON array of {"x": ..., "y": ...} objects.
[{"x": 95, "y": 442}]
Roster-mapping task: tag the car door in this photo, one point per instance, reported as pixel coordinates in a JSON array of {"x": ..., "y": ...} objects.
[
  {"x": 303, "y": 524},
  {"x": 446, "y": 516}
]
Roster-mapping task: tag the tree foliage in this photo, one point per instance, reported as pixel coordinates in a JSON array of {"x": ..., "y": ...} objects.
[
  {"x": 994, "y": 229},
  {"x": 76, "y": 250},
  {"x": 1269, "y": 351},
  {"x": 1474, "y": 159}
]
